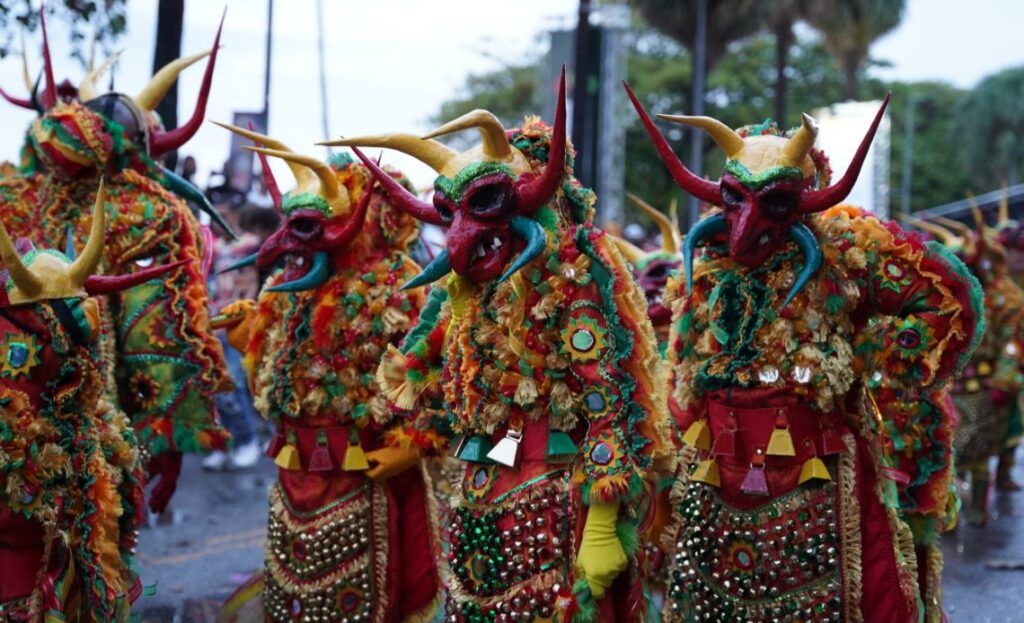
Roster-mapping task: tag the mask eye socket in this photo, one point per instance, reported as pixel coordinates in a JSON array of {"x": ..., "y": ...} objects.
[
  {"x": 444, "y": 206},
  {"x": 731, "y": 197},
  {"x": 305, "y": 227},
  {"x": 658, "y": 271},
  {"x": 489, "y": 197},
  {"x": 779, "y": 203},
  {"x": 116, "y": 107}
]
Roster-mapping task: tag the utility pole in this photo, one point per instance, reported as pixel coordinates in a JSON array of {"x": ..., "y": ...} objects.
[
  {"x": 581, "y": 73},
  {"x": 266, "y": 67},
  {"x": 170, "y": 15},
  {"x": 699, "y": 70},
  {"x": 323, "y": 71},
  {"x": 908, "y": 157}
]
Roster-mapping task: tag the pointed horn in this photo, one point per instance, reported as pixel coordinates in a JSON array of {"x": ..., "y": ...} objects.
[
  {"x": 943, "y": 235},
  {"x": 153, "y": 93},
  {"x": 726, "y": 138},
  {"x": 434, "y": 154},
  {"x": 402, "y": 198},
  {"x": 69, "y": 242},
  {"x": 437, "y": 268},
  {"x": 87, "y": 88},
  {"x": 630, "y": 251},
  {"x": 318, "y": 273},
  {"x": 163, "y": 141},
  {"x": 714, "y": 224},
  {"x": 979, "y": 218},
  {"x": 49, "y": 99},
  {"x": 98, "y": 285},
  {"x": 86, "y": 263},
  {"x": 248, "y": 260},
  {"x": 18, "y": 101},
  {"x": 26, "y": 282},
  {"x": 329, "y": 188},
  {"x": 1004, "y": 207},
  {"x": 948, "y": 223},
  {"x": 669, "y": 232},
  {"x": 492, "y": 133},
  {"x": 355, "y": 220},
  {"x": 808, "y": 244},
  {"x": 188, "y": 191},
  {"x": 822, "y": 199},
  {"x": 700, "y": 188},
  {"x": 26, "y": 74},
  {"x": 800, "y": 144},
  {"x": 268, "y": 174},
  {"x": 531, "y": 190},
  {"x": 536, "y": 241}
]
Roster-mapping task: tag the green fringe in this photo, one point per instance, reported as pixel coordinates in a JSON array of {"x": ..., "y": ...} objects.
[{"x": 587, "y": 612}]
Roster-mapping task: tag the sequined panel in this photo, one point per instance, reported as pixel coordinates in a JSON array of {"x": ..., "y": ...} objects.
[
  {"x": 778, "y": 562},
  {"x": 510, "y": 561},
  {"x": 977, "y": 436},
  {"x": 321, "y": 566}
]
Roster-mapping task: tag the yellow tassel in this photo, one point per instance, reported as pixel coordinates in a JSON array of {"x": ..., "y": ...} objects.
[
  {"x": 355, "y": 458},
  {"x": 288, "y": 458},
  {"x": 698, "y": 435},
  {"x": 814, "y": 468},
  {"x": 707, "y": 472},
  {"x": 781, "y": 443}
]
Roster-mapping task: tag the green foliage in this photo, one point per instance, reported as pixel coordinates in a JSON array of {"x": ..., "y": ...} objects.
[
  {"x": 990, "y": 130},
  {"x": 103, "y": 20}
]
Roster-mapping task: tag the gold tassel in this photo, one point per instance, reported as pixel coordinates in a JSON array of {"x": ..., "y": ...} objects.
[
  {"x": 355, "y": 458},
  {"x": 781, "y": 443},
  {"x": 707, "y": 472},
  {"x": 698, "y": 436},
  {"x": 814, "y": 468}
]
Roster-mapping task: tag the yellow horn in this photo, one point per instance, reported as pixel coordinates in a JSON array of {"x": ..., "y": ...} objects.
[
  {"x": 669, "y": 233},
  {"x": 26, "y": 75},
  {"x": 149, "y": 97},
  {"x": 953, "y": 225},
  {"x": 262, "y": 139},
  {"x": 87, "y": 88},
  {"x": 1004, "y": 207},
  {"x": 801, "y": 142},
  {"x": 28, "y": 284},
  {"x": 979, "y": 218},
  {"x": 492, "y": 133},
  {"x": 730, "y": 142},
  {"x": 328, "y": 186},
  {"x": 944, "y": 235},
  {"x": 630, "y": 251},
  {"x": 91, "y": 255},
  {"x": 434, "y": 154}
]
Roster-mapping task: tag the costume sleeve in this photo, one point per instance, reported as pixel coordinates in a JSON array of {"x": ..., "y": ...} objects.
[
  {"x": 410, "y": 379},
  {"x": 615, "y": 369},
  {"x": 924, "y": 309},
  {"x": 1007, "y": 321}
]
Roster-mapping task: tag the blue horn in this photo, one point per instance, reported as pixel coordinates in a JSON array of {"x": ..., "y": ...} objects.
[
  {"x": 808, "y": 243},
  {"x": 536, "y": 241},
  {"x": 248, "y": 260},
  {"x": 186, "y": 190},
  {"x": 317, "y": 274},
  {"x": 714, "y": 224},
  {"x": 437, "y": 268},
  {"x": 69, "y": 243}
]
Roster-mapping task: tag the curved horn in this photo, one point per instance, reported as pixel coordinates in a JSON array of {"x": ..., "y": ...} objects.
[
  {"x": 268, "y": 174},
  {"x": 714, "y": 224},
  {"x": 329, "y": 188},
  {"x": 402, "y": 198},
  {"x": 49, "y": 99},
  {"x": 163, "y": 141},
  {"x": 536, "y": 241},
  {"x": 85, "y": 264},
  {"x": 492, "y": 133},
  {"x": 27, "y": 283},
  {"x": 824, "y": 198},
  {"x": 669, "y": 232},
  {"x": 808, "y": 244},
  {"x": 153, "y": 93},
  {"x": 943, "y": 235},
  {"x": 188, "y": 191},
  {"x": 628, "y": 250},
  {"x": 798, "y": 145},
  {"x": 531, "y": 190},
  {"x": 87, "y": 87},
  {"x": 702, "y": 189},
  {"x": 318, "y": 273},
  {"x": 948, "y": 223},
  {"x": 434, "y": 154},
  {"x": 355, "y": 220},
  {"x": 437, "y": 268},
  {"x": 1004, "y": 207},
  {"x": 96, "y": 285},
  {"x": 18, "y": 101},
  {"x": 726, "y": 138}
]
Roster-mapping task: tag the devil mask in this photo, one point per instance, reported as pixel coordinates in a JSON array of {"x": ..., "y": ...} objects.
[
  {"x": 653, "y": 269},
  {"x": 486, "y": 196},
  {"x": 769, "y": 186}
]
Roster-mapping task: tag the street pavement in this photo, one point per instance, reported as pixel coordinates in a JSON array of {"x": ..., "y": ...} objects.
[{"x": 216, "y": 541}]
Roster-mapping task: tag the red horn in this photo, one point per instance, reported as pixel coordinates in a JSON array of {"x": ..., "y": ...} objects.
[
  {"x": 532, "y": 190},
  {"x": 17, "y": 101},
  {"x": 109, "y": 284},
  {"x": 705, "y": 190},
  {"x": 402, "y": 198},
  {"x": 355, "y": 220},
  {"x": 822, "y": 199},
  {"x": 49, "y": 96},
  {"x": 268, "y": 177},
  {"x": 163, "y": 141}
]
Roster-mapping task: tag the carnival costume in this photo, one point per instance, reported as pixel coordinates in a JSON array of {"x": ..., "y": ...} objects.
[
  {"x": 70, "y": 480},
  {"x": 540, "y": 356},
  {"x": 344, "y": 544},
  {"x": 775, "y": 330},
  {"x": 161, "y": 362}
]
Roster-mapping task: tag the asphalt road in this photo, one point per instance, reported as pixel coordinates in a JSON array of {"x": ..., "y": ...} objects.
[{"x": 216, "y": 541}]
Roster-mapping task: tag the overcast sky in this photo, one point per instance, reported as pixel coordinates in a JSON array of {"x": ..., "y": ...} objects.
[{"x": 390, "y": 63}]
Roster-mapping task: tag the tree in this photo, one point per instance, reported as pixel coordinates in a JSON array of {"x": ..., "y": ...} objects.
[
  {"x": 728, "y": 21},
  {"x": 990, "y": 131},
  {"x": 102, "y": 20},
  {"x": 849, "y": 27}
]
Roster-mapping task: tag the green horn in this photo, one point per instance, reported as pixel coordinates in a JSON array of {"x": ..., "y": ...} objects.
[
  {"x": 714, "y": 224},
  {"x": 808, "y": 243},
  {"x": 536, "y": 241},
  {"x": 186, "y": 190},
  {"x": 437, "y": 268}
]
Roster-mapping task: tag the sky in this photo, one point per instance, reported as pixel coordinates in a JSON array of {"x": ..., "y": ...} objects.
[{"x": 391, "y": 63}]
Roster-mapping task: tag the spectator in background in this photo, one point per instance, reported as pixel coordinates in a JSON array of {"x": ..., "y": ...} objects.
[
  {"x": 188, "y": 169},
  {"x": 258, "y": 194}
]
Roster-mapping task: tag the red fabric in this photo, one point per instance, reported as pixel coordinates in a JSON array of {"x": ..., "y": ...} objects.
[
  {"x": 21, "y": 554},
  {"x": 416, "y": 582},
  {"x": 165, "y": 468}
]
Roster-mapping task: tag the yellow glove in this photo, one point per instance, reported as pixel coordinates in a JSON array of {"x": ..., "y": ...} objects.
[
  {"x": 601, "y": 555},
  {"x": 236, "y": 317},
  {"x": 390, "y": 461}
]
